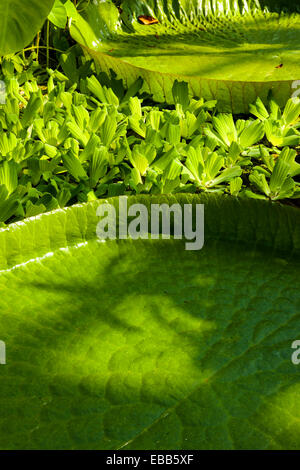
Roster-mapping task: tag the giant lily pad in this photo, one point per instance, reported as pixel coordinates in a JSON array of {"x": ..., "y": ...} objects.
[
  {"x": 232, "y": 51},
  {"x": 143, "y": 345}
]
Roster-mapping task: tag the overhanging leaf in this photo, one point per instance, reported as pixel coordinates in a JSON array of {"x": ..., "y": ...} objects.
[
  {"x": 20, "y": 20},
  {"x": 58, "y": 15}
]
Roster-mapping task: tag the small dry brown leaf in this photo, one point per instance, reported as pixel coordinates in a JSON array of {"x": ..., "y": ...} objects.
[{"x": 147, "y": 20}]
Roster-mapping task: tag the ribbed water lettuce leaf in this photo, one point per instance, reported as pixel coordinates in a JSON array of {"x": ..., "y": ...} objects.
[
  {"x": 232, "y": 51},
  {"x": 143, "y": 345}
]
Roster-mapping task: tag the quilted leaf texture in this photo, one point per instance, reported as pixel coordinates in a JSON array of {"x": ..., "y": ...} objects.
[
  {"x": 144, "y": 345},
  {"x": 228, "y": 50}
]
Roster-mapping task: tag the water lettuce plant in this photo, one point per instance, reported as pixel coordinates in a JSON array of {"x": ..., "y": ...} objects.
[{"x": 229, "y": 51}]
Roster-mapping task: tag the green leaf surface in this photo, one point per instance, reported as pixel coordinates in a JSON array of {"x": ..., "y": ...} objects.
[
  {"x": 144, "y": 345},
  {"x": 58, "y": 15},
  {"x": 20, "y": 20},
  {"x": 230, "y": 51}
]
